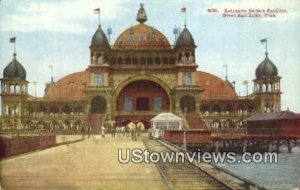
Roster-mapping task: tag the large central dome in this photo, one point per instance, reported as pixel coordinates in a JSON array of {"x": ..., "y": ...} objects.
[{"x": 141, "y": 36}]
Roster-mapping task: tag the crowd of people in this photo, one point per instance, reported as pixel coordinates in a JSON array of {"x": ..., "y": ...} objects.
[{"x": 122, "y": 131}]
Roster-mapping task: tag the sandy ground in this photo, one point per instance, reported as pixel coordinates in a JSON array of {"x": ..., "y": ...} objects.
[{"x": 90, "y": 164}]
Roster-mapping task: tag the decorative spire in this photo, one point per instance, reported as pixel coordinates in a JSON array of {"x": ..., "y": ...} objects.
[{"x": 141, "y": 15}]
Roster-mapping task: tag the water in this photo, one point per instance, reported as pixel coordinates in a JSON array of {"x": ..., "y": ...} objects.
[{"x": 283, "y": 175}]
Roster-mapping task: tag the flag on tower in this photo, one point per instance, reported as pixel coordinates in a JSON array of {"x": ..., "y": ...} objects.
[
  {"x": 12, "y": 40},
  {"x": 263, "y": 40},
  {"x": 97, "y": 11},
  {"x": 183, "y": 10}
]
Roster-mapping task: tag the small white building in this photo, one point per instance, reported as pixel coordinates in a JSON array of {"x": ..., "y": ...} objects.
[{"x": 164, "y": 121}]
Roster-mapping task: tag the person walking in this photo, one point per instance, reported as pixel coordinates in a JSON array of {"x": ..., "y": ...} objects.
[{"x": 103, "y": 131}]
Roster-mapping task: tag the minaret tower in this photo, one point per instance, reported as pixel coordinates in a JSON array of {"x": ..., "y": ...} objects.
[
  {"x": 267, "y": 85},
  {"x": 14, "y": 88}
]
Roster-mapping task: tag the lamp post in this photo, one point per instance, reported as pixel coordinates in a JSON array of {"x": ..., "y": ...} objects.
[{"x": 34, "y": 83}]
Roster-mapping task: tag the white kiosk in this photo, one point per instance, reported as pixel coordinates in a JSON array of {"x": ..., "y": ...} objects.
[{"x": 164, "y": 121}]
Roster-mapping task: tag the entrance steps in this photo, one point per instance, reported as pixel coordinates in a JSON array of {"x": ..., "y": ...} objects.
[
  {"x": 195, "y": 121},
  {"x": 94, "y": 121}
]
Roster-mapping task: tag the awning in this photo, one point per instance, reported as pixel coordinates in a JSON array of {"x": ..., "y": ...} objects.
[{"x": 282, "y": 115}]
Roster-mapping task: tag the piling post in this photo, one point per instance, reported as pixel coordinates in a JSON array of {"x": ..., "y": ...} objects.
[
  {"x": 289, "y": 146},
  {"x": 216, "y": 146},
  {"x": 245, "y": 146},
  {"x": 270, "y": 146}
]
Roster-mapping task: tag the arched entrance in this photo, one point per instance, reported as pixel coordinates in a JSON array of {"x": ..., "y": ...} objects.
[
  {"x": 188, "y": 104},
  {"x": 98, "y": 105},
  {"x": 143, "y": 96}
]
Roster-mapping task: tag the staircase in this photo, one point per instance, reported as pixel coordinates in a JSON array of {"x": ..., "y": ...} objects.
[
  {"x": 195, "y": 121},
  {"x": 95, "y": 121}
]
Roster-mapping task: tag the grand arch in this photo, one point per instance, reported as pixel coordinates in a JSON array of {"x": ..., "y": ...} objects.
[
  {"x": 143, "y": 95},
  {"x": 131, "y": 80}
]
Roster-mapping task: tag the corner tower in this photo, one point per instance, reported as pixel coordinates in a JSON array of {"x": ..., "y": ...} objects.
[
  {"x": 267, "y": 86},
  {"x": 14, "y": 88}
]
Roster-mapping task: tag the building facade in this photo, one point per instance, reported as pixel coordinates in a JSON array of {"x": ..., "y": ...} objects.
[{"x": 133, "y": 80}]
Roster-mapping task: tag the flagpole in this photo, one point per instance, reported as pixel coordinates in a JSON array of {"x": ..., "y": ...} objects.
[
  {"x": 15, "y": 49},
  {"x": 185, "y": 19},
  {"x": 226, "y": 74},
  {"x": 99, "y": 19},
  {"x": 34, "y": 83},
  {"x": 226, "y": 77},
  {"x": 266, "y": 46}
]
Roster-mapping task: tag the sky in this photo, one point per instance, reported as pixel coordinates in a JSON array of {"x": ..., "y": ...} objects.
[{"x": 59, "y": 32}]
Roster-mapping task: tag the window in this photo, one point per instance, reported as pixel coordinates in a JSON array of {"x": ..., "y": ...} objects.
[
  {"x": 154, "y": 38},
  {"x": 131, "y": 37},
  {"x": 142, "y": 38},
  {"x": 99, "y": 81},
  {"x": 100, "y": 58},
  {"x": 128, "y": 104},
  {"x": 157, "y": 104},
  {"x": 187, "y": 79}
]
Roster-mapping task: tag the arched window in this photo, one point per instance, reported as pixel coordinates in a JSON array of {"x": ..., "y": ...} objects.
[
  {"x": 18, "y": 89},
  {"x": 229, "y": 124},
  {"x": 100, "y": 59},
  {"x": 127, "y": 60},
  {"x": 157, "y": 60},
  {"x": 120, "y": 60},
  {"x": 187, "y": 78},
  {"x": 79, "y": 109},
  {"x": 165, "y": 60},
  {"x": 98, "y": 105},
  {"x": 216, "y": 124},
  {"x": 216, "y": 108},
  {"x": 228, "y": 108},
  {"x": 54, "y": 109},
  {"x": 264, "y": 89},
  {"x": 241, "y": 108},
  {"x": 204, "y": 108},
  {"x": 113, "y": 60},
  {"x": 134, "y": 60},
  {"x": 42, "y": 109},
  {"x": 12, "y": 89},
  {"x": 142, "y": 61},
  {"x": 188, "y": 103},
  {"x": 172, "y": 61},
  {"x": 149, "y": 61},
  {"x": 66, "y": 109}
]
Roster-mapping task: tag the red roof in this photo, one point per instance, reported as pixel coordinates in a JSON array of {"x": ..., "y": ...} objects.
[
  {"x": 282, "y": 115},
  {"x": 214, "y": 87},
  {"x": 72, "y": 86},
  {"x": 69, "y": 87}
]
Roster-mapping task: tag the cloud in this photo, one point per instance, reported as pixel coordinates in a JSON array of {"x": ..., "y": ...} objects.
[{"x": 63, "y": 16}]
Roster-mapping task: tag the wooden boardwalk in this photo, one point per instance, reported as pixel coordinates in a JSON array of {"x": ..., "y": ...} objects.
[{"x": 90, "y": 164}]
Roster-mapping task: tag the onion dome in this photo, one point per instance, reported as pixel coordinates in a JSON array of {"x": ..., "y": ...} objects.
[
  {"x": 185, "y": 38},
  {"x": 266, "y": 69},
  {"x": 14, "y": 70},
  {"x": 99, "y": 38}
]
